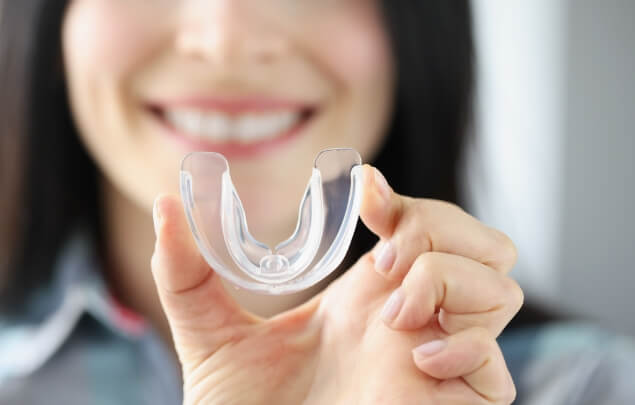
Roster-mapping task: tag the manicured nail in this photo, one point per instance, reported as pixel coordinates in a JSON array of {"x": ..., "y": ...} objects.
[
  {"x": 393, "y": 306},
  {"x": 382, "y": 185},
  {"x": 385, "y": 257},
  {"x": 430, "y": 348},
  {"x": 156, "y": 217}
]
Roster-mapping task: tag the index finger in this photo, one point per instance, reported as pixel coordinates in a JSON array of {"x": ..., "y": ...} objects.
[{"x": 408, "y": 227}]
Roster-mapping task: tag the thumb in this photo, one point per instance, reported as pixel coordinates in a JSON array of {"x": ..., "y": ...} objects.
[{"x": 202, "y": 316}]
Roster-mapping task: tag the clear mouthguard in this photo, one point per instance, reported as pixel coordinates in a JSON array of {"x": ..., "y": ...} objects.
[{"x": 326, "y": 222}]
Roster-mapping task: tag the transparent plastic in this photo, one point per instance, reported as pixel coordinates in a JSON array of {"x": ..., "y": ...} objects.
[{"x": 327, "y": 218}]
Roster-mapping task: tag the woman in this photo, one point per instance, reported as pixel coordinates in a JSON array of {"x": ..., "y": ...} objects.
[{"x": 102, "y": 99}]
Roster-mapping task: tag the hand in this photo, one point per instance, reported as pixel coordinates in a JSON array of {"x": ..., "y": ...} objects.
[{"x": 445, "y": 274}]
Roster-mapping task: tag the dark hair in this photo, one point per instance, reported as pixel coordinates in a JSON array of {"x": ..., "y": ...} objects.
[
  {"x": 49, "y": 181},
  {"x": 434, "y": 55}
]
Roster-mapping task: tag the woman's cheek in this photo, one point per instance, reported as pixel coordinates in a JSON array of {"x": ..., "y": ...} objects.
[
  {"x": 356, "y": 49},
  {"x": 356, "y": 54},
  {"x": 107, "y": 37}
]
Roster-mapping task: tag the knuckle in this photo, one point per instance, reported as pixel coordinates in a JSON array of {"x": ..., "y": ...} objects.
[
  {"x": 507, "y": 249},
  {"x": 483, "y": 338},
  {"x": 404, "y": 207},
  {"x": 425, "y": 240},
  {"x": 510, "y": 394},
  {"x": 426, "y": 265},
  {"x": 428, "y": 217},
  {"x": 486, "y": 343},
  {"x": 507, "y": 394},
  {"x": 515, "y": 294},
  {"x": 424, "y": 271}
]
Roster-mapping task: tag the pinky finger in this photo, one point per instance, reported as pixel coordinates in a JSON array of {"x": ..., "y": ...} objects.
[{"x": 470, "y": 361}]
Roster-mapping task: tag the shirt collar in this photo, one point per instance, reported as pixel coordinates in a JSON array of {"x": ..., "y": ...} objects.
[{"x": 54, "y": 311}]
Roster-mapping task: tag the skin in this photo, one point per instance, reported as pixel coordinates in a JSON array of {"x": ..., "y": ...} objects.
[
  {"x": 339, "y": 347},
  {"x": 120, "y": 54}
]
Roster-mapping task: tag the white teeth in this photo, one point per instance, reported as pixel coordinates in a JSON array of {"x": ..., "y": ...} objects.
[
  {"x": 191, "y": 122},
  {"x": 216, "y": 126},
  {"x": 248, "y": 127},
  {"x": 223, "y": 127}
]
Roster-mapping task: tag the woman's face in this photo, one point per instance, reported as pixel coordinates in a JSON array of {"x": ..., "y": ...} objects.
[{"x": 268, "y": 83}]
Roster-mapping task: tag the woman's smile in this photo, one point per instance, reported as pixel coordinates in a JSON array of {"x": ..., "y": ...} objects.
[
  {"x": 149, "y": 82},
  {"x": 235, "y": 127}
]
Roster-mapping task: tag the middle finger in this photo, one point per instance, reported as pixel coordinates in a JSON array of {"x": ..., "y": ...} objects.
[{"x": 464, "y": 292}]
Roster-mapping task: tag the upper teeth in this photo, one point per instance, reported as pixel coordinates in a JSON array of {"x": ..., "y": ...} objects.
[{"x": 222, "y": 127}]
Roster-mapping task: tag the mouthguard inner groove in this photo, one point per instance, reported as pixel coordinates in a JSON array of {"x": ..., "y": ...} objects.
[{"x": 327, "y": 218}]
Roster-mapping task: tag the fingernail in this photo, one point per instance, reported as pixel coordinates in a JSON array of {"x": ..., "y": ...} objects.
[
  {"x": 430, "y": 348},
  {"x": 385, "y": 257},
  {"x": 156, "y": 216},
  {"x": 393, "y": 306},
  {"x": 382, "y": 185}
]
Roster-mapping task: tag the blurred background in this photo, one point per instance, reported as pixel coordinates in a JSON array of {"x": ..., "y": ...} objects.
[
  {"x": 552, "y": 161},
  {"x": 552, "y": 158}
]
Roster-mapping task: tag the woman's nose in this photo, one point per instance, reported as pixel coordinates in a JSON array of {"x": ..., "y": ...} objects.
[{"x": 228, "y": 32}]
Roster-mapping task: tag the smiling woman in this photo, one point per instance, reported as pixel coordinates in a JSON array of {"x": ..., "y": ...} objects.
[
  {"x": 149, "y": 83},
  {"x": 46, "y": 151},
  {"x": 104, "y": 294},
  {"x": 103, "y": 98}
]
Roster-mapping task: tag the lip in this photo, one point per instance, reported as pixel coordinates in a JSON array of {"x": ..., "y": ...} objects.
[{"x": 231, "y": 106}]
